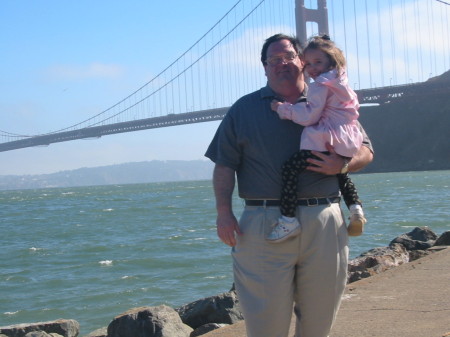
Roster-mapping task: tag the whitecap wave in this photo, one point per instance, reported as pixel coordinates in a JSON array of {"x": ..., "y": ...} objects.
[
  {"x": 10, "y": 313},
  {"x": 125, "y": 277},
  {"x": 106, "y": 262},
  {"x": 222, "y": 277},
  {"x": 35, "y": 249}
]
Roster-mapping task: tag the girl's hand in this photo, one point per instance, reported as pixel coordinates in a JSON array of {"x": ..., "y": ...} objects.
[{"x": 275, "y": 104}]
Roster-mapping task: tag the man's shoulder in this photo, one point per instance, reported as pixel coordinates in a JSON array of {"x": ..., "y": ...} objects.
[
  {"x": 255, "y": 95},
  {"x": 252, "y": 99},
  {"x": 243, "y": 104}
]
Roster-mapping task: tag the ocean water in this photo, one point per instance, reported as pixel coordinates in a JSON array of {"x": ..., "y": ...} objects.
[{"x": 91, "y": 253}]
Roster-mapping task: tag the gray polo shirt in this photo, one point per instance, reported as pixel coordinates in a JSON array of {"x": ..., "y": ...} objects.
[{"x": 255, "y": 142}]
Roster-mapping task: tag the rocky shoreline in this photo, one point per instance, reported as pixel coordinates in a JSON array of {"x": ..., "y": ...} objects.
[{"x": 207, "y": 314}]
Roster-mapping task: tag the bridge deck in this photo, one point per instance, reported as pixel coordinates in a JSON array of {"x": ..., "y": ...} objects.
[{"x": 383, "y": 95}]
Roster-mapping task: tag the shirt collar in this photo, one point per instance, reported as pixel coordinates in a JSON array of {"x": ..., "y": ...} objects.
[{"x": 268, "y": 93}]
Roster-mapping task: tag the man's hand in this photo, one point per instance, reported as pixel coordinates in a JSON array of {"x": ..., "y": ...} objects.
[
  {"x": 227, "y": 225},
  {"x": 329, "y": 164},
  {"x": 333, "y": 163},
  {"x": 227, "y": 228}
]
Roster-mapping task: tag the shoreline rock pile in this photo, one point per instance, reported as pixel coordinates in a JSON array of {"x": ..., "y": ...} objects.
[
  {"x": 207, "y": 314},
  {"x": 404, "y": 248}
]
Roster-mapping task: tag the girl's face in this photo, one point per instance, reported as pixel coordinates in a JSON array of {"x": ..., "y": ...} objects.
[{"x": 316, "y": 62}]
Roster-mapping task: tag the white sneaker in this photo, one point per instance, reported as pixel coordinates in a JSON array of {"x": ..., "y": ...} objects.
[{"x": 283, "y": 230}]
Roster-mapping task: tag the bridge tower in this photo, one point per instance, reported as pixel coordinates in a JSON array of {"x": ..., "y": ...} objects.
[{"x": 304, "y": 15}]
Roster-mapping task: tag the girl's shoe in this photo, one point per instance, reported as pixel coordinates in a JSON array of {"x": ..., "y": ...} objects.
[
  {"x": 283, "y": 230},
  {"x": 356, "y": 226}
]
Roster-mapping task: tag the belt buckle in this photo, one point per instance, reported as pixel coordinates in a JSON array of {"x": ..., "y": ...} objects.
[{"x": 312, "y": 204}]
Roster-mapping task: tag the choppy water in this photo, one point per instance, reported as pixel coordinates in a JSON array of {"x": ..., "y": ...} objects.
[{"x": 91, "y": 253}]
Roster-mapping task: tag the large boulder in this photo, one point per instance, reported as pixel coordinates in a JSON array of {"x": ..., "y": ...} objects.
[
  {"x": 420, "y": 238},
  {"x": 222, "y": 308},
  {"x": 443, "y": 240},
  {"x": 62, "y": 327},
  {"x": 160, "y": 321}
]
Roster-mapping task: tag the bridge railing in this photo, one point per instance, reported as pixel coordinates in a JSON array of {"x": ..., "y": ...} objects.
[{"x": 385, "y": 95}]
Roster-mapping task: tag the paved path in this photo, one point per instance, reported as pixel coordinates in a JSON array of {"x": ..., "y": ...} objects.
[{"x": 412, "y": 300}]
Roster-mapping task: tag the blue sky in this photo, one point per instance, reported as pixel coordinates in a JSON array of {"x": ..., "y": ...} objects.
[{"x": 65, "y": 61}]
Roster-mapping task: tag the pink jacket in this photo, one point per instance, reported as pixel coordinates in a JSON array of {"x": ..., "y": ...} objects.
[{"x": 329, "y": 115}]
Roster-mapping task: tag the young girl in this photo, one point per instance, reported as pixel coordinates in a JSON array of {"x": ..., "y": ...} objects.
[{"x": 329, "y": 116}]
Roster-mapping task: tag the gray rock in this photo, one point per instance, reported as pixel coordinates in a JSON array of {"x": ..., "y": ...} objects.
[
  {"x": 62, "y": 327},
  {"x": 42, "y": 334},
  {"x": 102, "y": 332},
  {"x": 160, "y": 321},
  {"x": 417, "y": 254},
  {"x": 206, "y": 328},
  {"x": 376, "y": 261},
  {"x": 420, "y": 238},
  {"x": 443, "y": 240},
  {"x": 222, "y": 308}
]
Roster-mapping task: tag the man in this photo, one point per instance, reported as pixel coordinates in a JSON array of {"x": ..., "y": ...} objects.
[{"x": 307, "y": 272}]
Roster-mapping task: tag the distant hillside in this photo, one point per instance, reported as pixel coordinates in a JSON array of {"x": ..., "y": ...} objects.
[
  {"x": 129, "y": 173},
  {"x": 411, "y": 133}
]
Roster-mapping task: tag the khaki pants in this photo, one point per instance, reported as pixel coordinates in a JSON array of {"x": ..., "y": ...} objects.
[{"x": 307, "y": 273}]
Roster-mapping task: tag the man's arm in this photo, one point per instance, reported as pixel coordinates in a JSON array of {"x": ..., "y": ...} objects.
[
  {"x": 361, "y": 159},
  {"x": 333, "y": 163},
  {"x": 227, "y": 225}
]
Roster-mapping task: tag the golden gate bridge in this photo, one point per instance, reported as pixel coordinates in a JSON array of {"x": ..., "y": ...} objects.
[{"x": 222, "y": 65}]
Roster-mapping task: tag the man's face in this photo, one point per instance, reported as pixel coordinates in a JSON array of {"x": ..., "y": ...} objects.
[{"x": 283, "y": 66}]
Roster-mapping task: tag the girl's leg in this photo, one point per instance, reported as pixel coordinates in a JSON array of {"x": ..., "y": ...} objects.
[
  {"x": 348, "y": 190},
  {"x": 290, "y": 172},
  {"x": 288, "y": 225},
  {"x": 351, "y": 198}
]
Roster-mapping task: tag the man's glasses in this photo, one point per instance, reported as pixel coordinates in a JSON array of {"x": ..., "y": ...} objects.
[{"x": 286, "y": 58}]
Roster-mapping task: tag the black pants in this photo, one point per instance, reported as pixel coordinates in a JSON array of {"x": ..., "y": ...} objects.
[{"x": 290, "y": 172}]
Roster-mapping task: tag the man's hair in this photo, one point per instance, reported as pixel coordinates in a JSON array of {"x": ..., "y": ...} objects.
[{"x": 277, "y": 37}]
